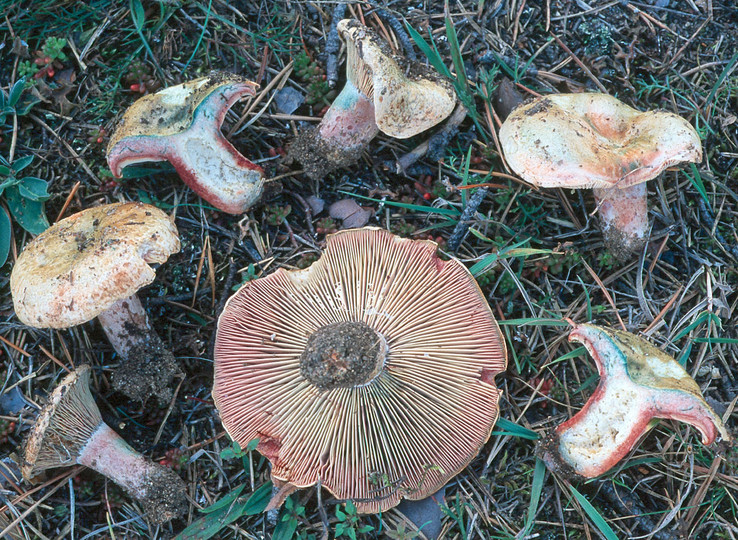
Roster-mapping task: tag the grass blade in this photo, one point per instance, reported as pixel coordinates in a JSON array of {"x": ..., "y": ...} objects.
[
  {"x": 539, "y": 474},
  {"x": 594, "y": 515}
]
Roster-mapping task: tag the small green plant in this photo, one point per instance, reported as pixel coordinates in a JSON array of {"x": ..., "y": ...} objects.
[
  {"x": 276, "y": 214},
  {"x": 348, "y": 522},
  {"x": 250, "y": 274},
  {"x": 311, "y": 73},
  {"x": 289, "y": 519},
  {"x": 48, "y": 60}
]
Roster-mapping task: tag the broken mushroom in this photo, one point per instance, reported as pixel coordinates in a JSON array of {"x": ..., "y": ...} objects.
[
  {"x": 69, "y": 430},
  {"x": 181, "y": 124},
  {"x": 371, "y": 372},
  {"x": 593, "y": 140},
  {"x": 383, "y": 92},
  {"x": 90, "y": 265},
  {"x": 638, "y": 383}
]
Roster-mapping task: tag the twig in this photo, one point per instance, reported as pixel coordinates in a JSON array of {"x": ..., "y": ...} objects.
[
  {"x": 457, "y": 236},
  {"x": 333, "y": 45},
  {"x": 399, "y": 30},
  {"x": 439, "y": 139},
  {"x": 574, "y": 57},
  {"x": 626, "y": 502}
]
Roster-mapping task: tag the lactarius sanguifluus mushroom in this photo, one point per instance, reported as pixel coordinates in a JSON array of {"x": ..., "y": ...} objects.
[
  {"x": 90, "y": 265},
  {"x": 638, "y": 383},
  {"x": 595, "y": 141},
  {"x": 69, "y": 430},
  {"x": 383, "y": 92},
  {"x": 181, "y": 125},
  {"x": 370, "y": 372}
]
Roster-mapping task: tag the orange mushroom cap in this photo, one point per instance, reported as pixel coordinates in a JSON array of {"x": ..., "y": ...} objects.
[
  {"x": 371, "y": 372},
  {"x": 594, "y": 140}
]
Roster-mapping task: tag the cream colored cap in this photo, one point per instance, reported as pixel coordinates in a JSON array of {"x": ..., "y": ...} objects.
[{"x": 81, "y": 265}]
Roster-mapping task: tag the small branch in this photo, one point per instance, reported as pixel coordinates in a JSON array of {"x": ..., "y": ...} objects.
[
  {"x": 399, "y": 29},
  {"x": 333, "y": 45},
  {"x": 437, "y": 140},
  {"x": 459, "y": 233}
]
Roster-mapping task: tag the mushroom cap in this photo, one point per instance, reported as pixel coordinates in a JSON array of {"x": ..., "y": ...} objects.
[
  {"x": 421, "y": 418},
  {"x": 408, "y": 97},
  {"x": 83, "y": 264},
  {"x": 645, "y": 364},
  {"x": 594, "y": 140},
  {"x": 65, "y": 425},
  {"x": 172, "y": 110}
]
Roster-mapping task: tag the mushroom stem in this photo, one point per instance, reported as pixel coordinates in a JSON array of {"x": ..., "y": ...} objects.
[
  {"x": 624, "y": 216},
  {"x": 638, "y": 383},
  {"x": 127, "y": 326},
  {"x": 349, "y": 122},
  {"x": 150, "y": 483},
  {"x": 146, "y": 366}
]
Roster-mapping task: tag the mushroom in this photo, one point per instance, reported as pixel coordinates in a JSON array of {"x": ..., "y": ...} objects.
[
  {"x": 594, "y": 140},
  {"x": 371, "y": 372},
  {"x": 90, "y": 265},
  {"x": 181, "y": 124},
  {"x": 69, "y": 430},
  {"x": 638, "y": 383},
  {"x": 383, "y": 92}
]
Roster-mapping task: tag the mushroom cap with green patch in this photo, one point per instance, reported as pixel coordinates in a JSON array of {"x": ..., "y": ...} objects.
[
  {"x": 593, "y": 140},
  {"x": 371, "y": 372},
  {"x": 84, "y": 263},
  {"x": 171, "y": 111},
  {"x": 408, "y": 97}
]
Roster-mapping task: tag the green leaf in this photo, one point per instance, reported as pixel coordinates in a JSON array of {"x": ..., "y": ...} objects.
[
  {"x": 29, "y": 214},
  {"x": 259, "y": 500},
  {"x": 4, "y": 236},
  {"x": 702, "y": 317},
  {"x": 4, "y": 171},
  {"x": 453, "y": 43},
  {"x": 594, "y": 515},
  {"x": 33, "y": 188},
  {"x": 511, "y": 428},
  {"x": 227, "y": 512},
  {"x": 433, "y": 57},
  {"x": 413, "y": 207},
  {"x": 535, "y": 494},
  {"x": 285, "y": 528},
  {"x": 225, "y": 501},
  {"x": 138, "y": 15},
  {"x": 697, "y": 182},
  {"x": 227, "y": 453},
  {"x": 21, "y": 163},
  {"x": 16, "y": 91},
  {"x": 252, "y": 444}
]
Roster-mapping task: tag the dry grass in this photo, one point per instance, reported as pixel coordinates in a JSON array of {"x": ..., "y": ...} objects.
[{"x": 680, "y": 293}]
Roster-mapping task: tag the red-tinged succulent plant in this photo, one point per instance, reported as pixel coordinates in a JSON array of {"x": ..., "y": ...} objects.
[
  {"x": 383, "y": 92},
  {"x": 593, "y": 140},
  {"x": 371, "y": 372},
  {"x": 638, "y": 383},
  {"x": 91, "y": 264},
  {"x": 69, "y": 430},
  {"x": 181, "y": 124}
]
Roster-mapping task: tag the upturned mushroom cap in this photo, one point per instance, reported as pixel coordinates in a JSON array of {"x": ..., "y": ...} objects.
[
  {"x": 181, "y": 124},
  {"x": 408, "y": 97},
  {"x": 638, "y": 383},
  {"x": 64, "y": 426},
  {"x": 82, "y": 264},
  {"x": 594, "y": 140},
  {"x": 371, "y": 372}
]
